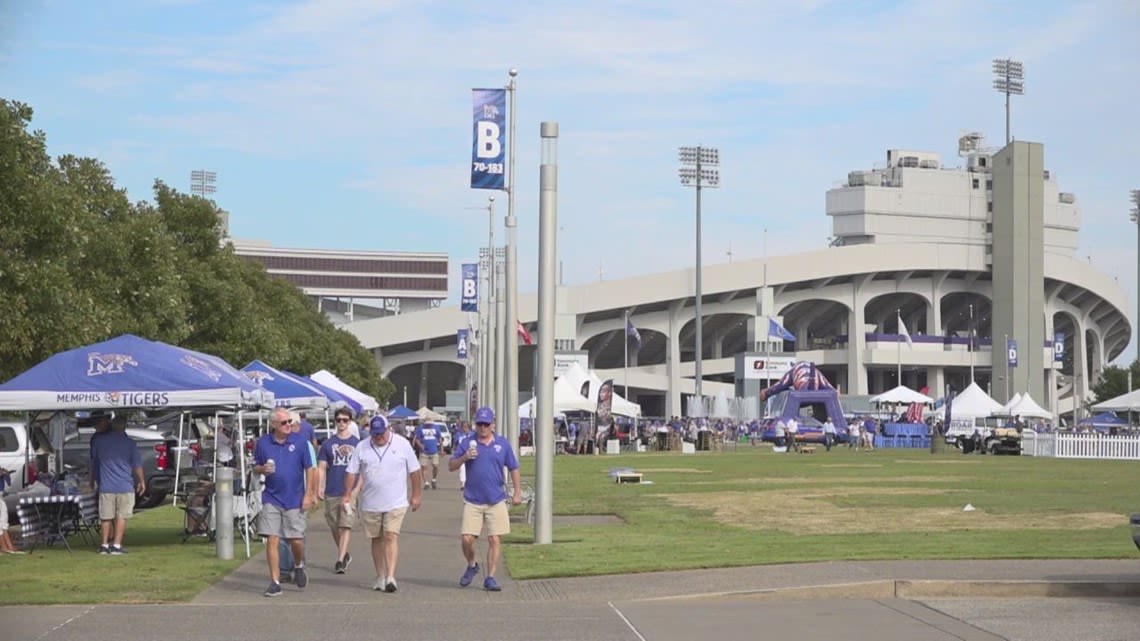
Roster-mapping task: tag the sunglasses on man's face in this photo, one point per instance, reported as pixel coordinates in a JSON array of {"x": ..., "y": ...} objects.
[
  {"x": 288, "y": 421},
  {"x": 482, "y": 425},
  {"x": 343, "y": 420}
]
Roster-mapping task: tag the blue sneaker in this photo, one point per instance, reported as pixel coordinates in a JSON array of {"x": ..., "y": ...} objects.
[
  {"x": 468, "y": 575},
  {"x": 300, "y": 577},
  {"x": 491, "y": 585},
  {"x": 274, "y": 589}
]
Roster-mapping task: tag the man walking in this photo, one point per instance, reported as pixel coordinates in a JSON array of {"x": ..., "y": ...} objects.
[
  {"x": 117, "y": 476},
  {"x": 427, "y": 438},
  {"x": 387, "y": 467},
  {"x": 484, "y": 456},
  {"x": 332, "y": 464},
  {"x": 285, "y": 461}
]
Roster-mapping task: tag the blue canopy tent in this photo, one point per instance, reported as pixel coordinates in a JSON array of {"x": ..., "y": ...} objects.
[
  {"x": 1104, "y": 419},
  {"x": 403, "y": 413},
  {"x": 129, "y": 372},
  {"x": 288, "y": 389}
]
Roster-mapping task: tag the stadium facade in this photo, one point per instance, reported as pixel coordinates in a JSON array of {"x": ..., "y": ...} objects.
[{"x": 968, "y": 258}]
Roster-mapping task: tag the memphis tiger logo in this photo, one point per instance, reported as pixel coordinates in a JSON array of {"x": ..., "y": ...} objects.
[
  {"x": 259, "y": 377},
  {"x": 202, "y": 366},
  {"x": 99, "y": 364}
]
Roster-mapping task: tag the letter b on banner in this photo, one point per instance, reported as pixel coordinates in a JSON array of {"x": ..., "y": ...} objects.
[
  {"x": 487, "y": 144},
  {"x": 469, "y": 288}
]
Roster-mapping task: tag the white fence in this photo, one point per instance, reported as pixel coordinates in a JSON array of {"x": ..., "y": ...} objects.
[{"x": 1093, "y": 446}]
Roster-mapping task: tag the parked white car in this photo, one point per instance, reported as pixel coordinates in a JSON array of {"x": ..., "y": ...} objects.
[{"x": 14, "y": 458}]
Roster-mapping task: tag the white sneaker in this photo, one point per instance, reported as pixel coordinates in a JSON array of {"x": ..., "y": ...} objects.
[{"x": 379, "y": 584}]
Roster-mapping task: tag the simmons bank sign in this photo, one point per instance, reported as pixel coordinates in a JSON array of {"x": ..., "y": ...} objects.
[{"x": 760, "y": 367}]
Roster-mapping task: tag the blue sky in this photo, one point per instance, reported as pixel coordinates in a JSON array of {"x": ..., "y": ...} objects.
[{"x": 346, "y": 123}]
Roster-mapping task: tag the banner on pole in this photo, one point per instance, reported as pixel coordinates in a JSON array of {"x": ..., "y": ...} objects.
[
  {"x": 1058, "y": 347},
  {"x": 469, "y": 288},
  {"x": 1011, "y": 349},
  {"x": 461, "y": 344},
  {"x": 488, "y": 148}
]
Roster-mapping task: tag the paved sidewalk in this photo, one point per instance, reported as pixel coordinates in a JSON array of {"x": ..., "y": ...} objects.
[{"x": 885, "y": 600}]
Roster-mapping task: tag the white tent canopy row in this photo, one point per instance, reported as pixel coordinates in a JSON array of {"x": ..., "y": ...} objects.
[
  {"x": 1026, "y": 407},
  {"x": 328, "y": 379},
  {"x": 975, "y": 403},
  {"x": 576, "y": 375}
]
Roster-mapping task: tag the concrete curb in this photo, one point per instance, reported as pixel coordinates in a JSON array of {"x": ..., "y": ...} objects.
[{"x": 928, "y": 589}]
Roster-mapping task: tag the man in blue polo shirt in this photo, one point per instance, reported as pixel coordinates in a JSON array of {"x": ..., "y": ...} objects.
[
  {"x": 427, "y": 438},
  {"x": 117, "y": 474},
  {"x": 484, "y": 456},
  {"x": 285, "y": 461}
]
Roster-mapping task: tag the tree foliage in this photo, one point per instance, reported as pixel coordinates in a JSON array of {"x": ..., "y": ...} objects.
[
  {"x": 80, "y": 263},
  {"x": 1113, "y": 381}
]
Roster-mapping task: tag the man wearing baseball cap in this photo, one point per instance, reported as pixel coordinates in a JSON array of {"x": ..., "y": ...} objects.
[
  {"x": 388, "y": 467},
  {"x": 483, "y": 456}
]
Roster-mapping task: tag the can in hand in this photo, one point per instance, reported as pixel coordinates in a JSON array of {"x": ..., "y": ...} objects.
[{"x": 472, "y": 449}]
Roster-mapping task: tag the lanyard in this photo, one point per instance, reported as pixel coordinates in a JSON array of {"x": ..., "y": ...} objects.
[{"x": 380, "y": 455}]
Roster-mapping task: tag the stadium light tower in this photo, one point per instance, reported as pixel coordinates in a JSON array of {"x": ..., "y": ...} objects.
[
  {"x": 695, "y": 172},
  {"x": 1135, "y": 216},
  {"x": 203, "y": 183},
  {"x": 1009, "y": 78}
]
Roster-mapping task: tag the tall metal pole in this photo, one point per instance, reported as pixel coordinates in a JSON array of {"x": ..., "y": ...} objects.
[
  {"x": 510, "y": 411},
  {"x": 698, "y": 176},
  {"x": 970, "y": 332},
  {"x": 492, "y": 350},
  {"x": 544, "y": 404},
  {"x": 1135, "y": 217},
  {"x": 898, "y": 350},
  {"x": 1008, "y": 372},
  {"x": 1009, "y": 80}
]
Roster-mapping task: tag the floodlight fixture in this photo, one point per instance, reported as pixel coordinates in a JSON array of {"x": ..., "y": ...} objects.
[
  {"x": 203, "y": 182},
  {"x": 695, "y": 172},
  {"x": 1009, "y": 76}
]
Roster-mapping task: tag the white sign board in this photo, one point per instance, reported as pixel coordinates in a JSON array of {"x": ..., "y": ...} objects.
[
  {"x": 563, "y": 361},
  {"x": 767, "y": 367}
]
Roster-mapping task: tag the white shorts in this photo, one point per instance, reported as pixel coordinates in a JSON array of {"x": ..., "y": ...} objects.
[{"x": 3, "y": 516}]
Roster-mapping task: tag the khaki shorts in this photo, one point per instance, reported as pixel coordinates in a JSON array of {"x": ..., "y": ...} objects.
[
  {"x": 116, "y": 505},
  {"x": 429, "y": 458},
  {"x": 494, "y": 518},
  {"x": 377, "y": 522},
  {"x": 335, "y": 515}
]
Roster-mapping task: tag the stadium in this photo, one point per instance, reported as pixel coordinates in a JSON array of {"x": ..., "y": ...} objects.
[{"x": 934, "y": 274}]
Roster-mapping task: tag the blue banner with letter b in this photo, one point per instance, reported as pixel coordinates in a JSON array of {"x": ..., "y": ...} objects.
[
  {"x": 488, "y": 148},
  {"x": 469, "y": 288}
]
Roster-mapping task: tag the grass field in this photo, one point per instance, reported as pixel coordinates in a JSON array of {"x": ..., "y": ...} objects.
[
  {"x": 752, "y": 506},
  {"x": 157, "y": 567}
]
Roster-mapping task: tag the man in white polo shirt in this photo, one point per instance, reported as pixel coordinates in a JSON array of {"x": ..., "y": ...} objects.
[{"x": 387, "y": 464}]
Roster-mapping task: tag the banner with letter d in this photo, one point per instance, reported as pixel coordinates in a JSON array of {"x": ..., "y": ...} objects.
[
  {"x": 469, "y": 288},
  {"x": 1011, "y": 352},
  {"x": 488, "y": 149}
]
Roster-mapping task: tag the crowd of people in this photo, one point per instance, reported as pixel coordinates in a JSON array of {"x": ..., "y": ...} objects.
[{"x": 376, "y": 479}]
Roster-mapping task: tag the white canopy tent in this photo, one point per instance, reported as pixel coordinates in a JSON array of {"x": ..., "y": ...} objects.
[
  {"x": 1129, "y": 402},
  {"x": 576, "y": 375},
  {"x": 1013, "y": 401},
  {"x": 566, "y": 399},
  {"x": 901, "y": 394},
  {"x": 974, "y": 403},
  {"x": 1026, "y": 407},
  {"x": 328, "y": 379}
]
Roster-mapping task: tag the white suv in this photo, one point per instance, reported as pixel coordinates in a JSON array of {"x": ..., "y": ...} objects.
[{"x": 14, "y": 458}]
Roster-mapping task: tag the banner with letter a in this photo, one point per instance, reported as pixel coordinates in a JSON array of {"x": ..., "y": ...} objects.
[
  {"x": 469, "y": 288},
  {"x": 488, "y": 150},
  {"x": 461, "y": 344}
]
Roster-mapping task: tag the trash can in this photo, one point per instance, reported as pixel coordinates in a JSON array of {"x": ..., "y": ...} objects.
[
  {"x": 967, "y": 445},
  {"x": 703, "y": 440},
  {"x": 662, "y": 441}
]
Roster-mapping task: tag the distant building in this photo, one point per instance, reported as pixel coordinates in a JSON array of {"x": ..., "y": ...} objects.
[{"x": 356, "y": 285}]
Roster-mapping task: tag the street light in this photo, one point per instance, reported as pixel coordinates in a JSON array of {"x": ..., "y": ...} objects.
[
  {"x": 1134, "y": 215},
  {"x": 1009, "y": 79},
  {"x": 203, "y": 182},
  {"x": 694, "y": 173}
]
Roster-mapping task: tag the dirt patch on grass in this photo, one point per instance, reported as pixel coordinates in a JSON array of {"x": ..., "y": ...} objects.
[
  {"x": 852, "y": 465},
  {"x": 812, "y": 513},
  {"x": 832, "y": 481},
  {"x": 588, "y": 519},
  {"x": 673, "y": 470}
]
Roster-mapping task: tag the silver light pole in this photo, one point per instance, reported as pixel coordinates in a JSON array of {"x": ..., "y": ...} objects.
[
  {"x": 1135, "y": 217},
  {"x": 544, "y": 385},
  {"x": 510, "y": 411},
  {"x": 490, "y": 345},
  {"x": 1009, "y": 80},
  {"x": 694, "y": 172}
]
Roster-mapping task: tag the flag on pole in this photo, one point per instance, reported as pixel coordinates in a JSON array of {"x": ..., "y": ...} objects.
[
  {"x": 905, "y": 334},
  {"x": 523, "y": 334},
  {"x": 632, "y": 335},
  {"x": 779, "y": 331}
]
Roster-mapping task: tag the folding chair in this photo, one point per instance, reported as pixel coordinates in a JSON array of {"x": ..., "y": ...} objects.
[{"x": 197, "y": 506}]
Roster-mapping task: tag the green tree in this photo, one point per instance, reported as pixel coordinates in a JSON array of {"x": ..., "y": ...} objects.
[
  {"x": 79, "y": 263},
  {"x": 1113, "y": 381}
]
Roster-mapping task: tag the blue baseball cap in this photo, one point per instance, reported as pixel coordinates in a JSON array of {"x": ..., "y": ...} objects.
[
  {"x": 378, "y": 425},
  {"x": 484, "y": 415}
]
